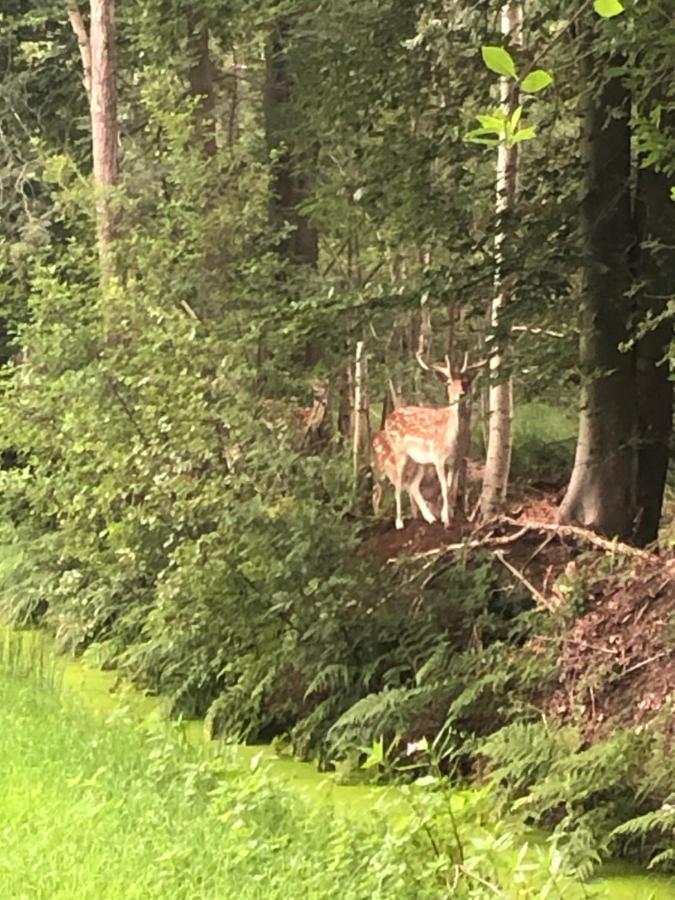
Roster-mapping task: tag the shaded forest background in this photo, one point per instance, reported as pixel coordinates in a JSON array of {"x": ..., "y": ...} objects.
[{"x": 198, "y": 342}]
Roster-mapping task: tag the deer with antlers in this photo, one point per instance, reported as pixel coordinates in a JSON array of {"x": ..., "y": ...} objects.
[{"x": 431, "y": 436}]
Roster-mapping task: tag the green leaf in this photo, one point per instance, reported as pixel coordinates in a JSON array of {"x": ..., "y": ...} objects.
[
  {"x": 499, "y": 60},
  {"x": 608, "y": 8},
  {"x": 492, "y": 123},
  {"x": 426, "y": 781},
  {"x": 536, "y": 81},
  {"x": 480, "y": 136},
  {"x": 515, "y": 118},
  {"x": 375, "y": 755},
  {"x": 525, "y": 134}
]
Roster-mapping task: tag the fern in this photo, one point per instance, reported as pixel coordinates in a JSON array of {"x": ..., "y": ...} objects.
[
  {"x": 596, "y": 797},
  {"x": 386, "y": 712},
  {"x": 332, "y": 678},
  {"x": 655, "y": 832}
]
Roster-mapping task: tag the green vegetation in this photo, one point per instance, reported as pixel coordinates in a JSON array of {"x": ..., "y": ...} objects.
[
  {"x": 227, "y": 238},
  {"x": 99, "y": 808}
]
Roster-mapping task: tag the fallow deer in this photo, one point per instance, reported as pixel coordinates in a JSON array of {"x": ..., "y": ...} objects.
[
  {"x": 432, "y": 436},
  {"x": 384, "y": 466}
]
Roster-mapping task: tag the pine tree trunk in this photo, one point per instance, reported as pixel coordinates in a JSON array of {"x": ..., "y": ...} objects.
[
  {"x": 104, "y": 127},
  {"x": 500, "y": 403},
  {"x": 601, "y": 494}
]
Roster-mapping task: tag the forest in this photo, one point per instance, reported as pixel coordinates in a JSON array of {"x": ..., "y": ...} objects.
[{"x": 336, "y": 343}]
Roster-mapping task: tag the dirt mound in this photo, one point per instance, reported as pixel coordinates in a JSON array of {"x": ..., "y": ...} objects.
[
  {"x": 617, "y": 662},
  {"x": 386, "y": 543}
]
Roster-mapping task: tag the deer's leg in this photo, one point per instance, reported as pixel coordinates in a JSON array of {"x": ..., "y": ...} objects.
[
  {"x": 453, "y": 486},
  {"x": 398, "y": 484},
  {"x": 443, "y": 481},
  {"x": 417, "y": 498}
]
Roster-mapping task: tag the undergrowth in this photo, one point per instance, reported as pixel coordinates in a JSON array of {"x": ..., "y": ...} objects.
[{"x": 613, "y": 797}]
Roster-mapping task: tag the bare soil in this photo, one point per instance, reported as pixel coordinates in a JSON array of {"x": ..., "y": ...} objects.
[{"x": 616, "y": 665}]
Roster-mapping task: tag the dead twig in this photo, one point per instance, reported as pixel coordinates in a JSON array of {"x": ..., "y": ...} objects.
[
  {"x": 547, "y": 540},
  {"x": 536, "y": 593},
  {"x": 644, "y": 662},
  {"x": 609, "y": 546}
]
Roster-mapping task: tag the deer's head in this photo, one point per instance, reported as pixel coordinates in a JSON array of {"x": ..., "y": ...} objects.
[{"x": 457, "y": 381}]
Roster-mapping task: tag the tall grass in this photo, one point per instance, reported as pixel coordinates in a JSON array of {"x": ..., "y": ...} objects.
[{"x": 94, "y": 809}]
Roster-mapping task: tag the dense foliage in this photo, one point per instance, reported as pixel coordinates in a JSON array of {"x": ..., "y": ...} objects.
[{"x": 168, "y": 514}]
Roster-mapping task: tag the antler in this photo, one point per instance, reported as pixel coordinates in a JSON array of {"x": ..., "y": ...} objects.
[
  {"x": 445, "y": 371},
  {"x": 420, "y": 360}
]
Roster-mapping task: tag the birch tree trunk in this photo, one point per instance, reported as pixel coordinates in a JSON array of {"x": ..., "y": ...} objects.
[
  {"x": 104, "y": 127},
  {"x": 500, "y": 399}
]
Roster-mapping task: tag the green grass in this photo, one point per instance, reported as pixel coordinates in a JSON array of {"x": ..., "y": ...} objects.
[
  {"x": 95, "y": 807},
  {"x": 543, "y": 442},
  {"x": 544, "y": 438},
  {"x": 96, "y": 810}
]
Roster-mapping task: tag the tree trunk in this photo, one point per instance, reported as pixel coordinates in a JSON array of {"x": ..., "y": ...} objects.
[
  {"x": 655, "y": 221},
  {"x": 601, "y": 494},
  {"x": 361, "y": 438},
  {"x": 291, "y": 181},
  {"x": 500, "y": 404},
  {"x": 80, "y": 30},
  {"x": 104, "y": 127},
  {"x": 200, "y": 75}
]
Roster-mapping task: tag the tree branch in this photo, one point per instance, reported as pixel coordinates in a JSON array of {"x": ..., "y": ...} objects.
[{"x": 82, "y": 35}]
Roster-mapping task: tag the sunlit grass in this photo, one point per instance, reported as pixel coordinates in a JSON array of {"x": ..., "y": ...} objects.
[
  {"x": 91, "y": 810},
  {"x": 543, "y": 442}
]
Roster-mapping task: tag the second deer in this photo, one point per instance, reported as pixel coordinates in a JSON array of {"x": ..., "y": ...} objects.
[{"x": 384, "y": 466}]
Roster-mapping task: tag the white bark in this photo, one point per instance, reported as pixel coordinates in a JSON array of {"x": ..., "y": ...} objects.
[
  {"x": 358, "y": 409},
  {"x": 500, "y": 439}
]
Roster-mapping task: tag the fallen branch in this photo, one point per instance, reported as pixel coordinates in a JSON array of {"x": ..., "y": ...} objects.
[
  {"x": 536, "y": 593},
  {"x": 609, "y": 546},
  {"x": 488, "y": 541}
]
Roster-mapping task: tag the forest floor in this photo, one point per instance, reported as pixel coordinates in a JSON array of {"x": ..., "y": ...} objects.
[{"x": 616, "y": 665}]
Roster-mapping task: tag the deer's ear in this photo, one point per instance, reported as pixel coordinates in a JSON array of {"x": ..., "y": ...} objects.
[{"x": 441, "y": 375}]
